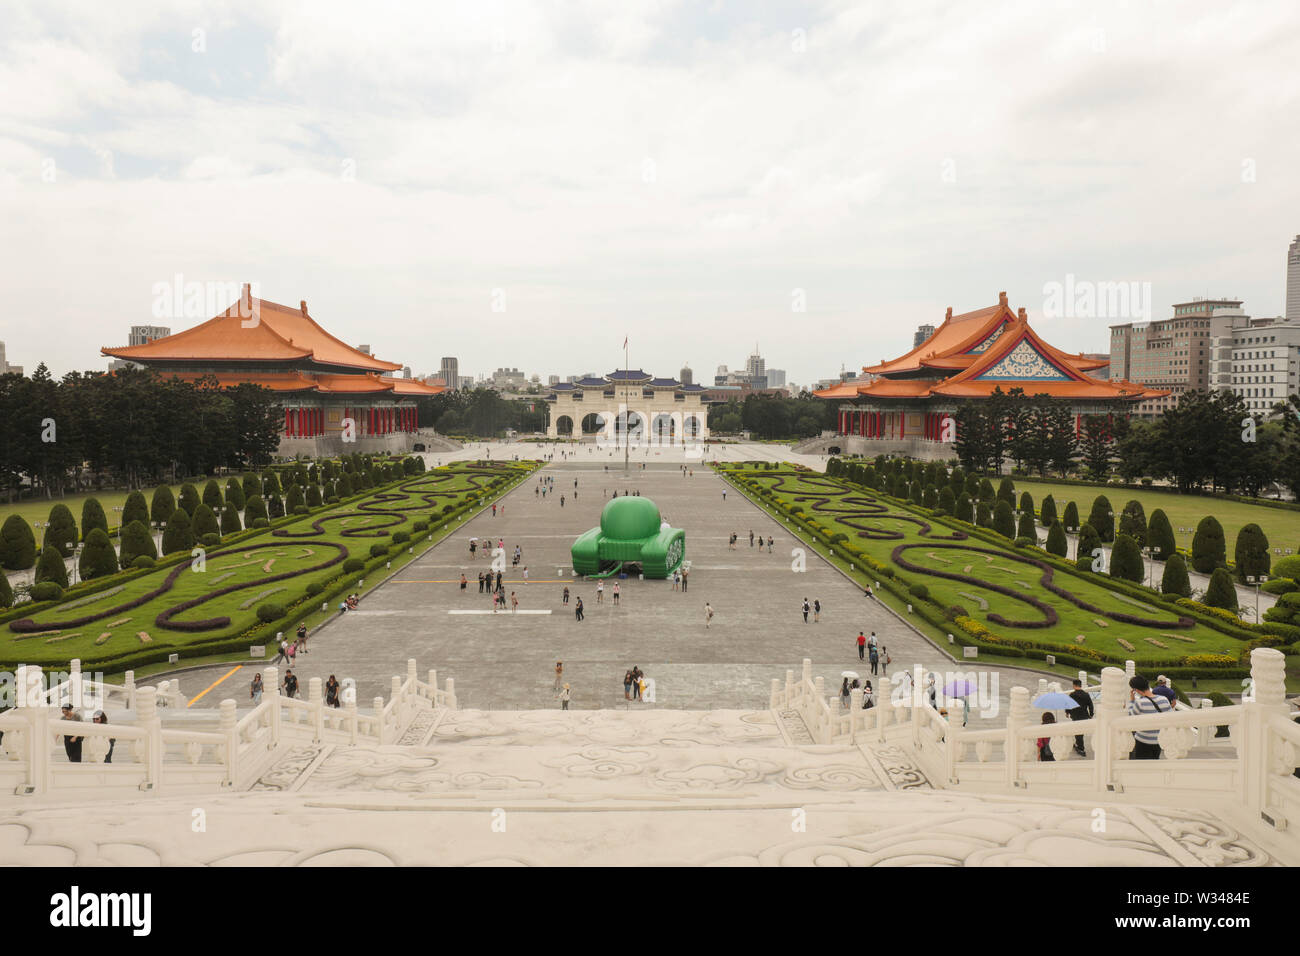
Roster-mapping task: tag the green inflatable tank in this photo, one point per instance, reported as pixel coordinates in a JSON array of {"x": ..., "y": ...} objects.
[{"x": 631, "y": 530}]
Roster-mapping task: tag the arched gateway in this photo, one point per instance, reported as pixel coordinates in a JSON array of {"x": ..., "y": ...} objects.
[{"x": 630, "y": 406}]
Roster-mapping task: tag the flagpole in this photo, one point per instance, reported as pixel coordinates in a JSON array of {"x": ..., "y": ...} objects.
[{"x": 627, "y": 420}]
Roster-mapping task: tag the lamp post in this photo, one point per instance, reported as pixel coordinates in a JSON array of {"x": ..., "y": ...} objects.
[
  {"x": 1151, "y": 557},
  {"x": 1256, "y": 580}
]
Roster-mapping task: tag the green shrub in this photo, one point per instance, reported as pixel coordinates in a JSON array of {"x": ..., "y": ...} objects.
[
  {"x": 1279, "y": 586},
  {"x": 295, "y": 499},
  {"x": 1126, "y": 559},
  {"x": 401, "y": 537},
  {"x": 61, "y": 531},
  {"x": 302, "y": 510},
  {"x": 1250, "y": 555},
  {"x": 1025, "y": 528},
  {"x": 947, "y": 501},
  {"x": 270, "y": 612},
  {"x": 1175, "y": 580},
  {"x": 314, "y": 499},
  {"x": 92, "y": 517},
  {"x": 1160, "y": 535},
  {"x": 1057, "y": 543},
  {"x": 178, "y": 536},
  {"x": 983, "y": 517},
  {"x": 270, "y": 484},
  {"x": 1221, "y": 593},
  {"x": 189, "y": 499},
  {"x": 98, "y": 559},
  {"x": 1221, "y": 700},
  {"x": 1071, "y": 517},
  {"x": 256, "y": 508},
  {"x": 1209, "y": 550},
  {"x": 986, "y": 491},
  {"x": 143, "y": 561},
  {"x": 1027, "y": 503},
  {"x": 353, "y": 565},
  {"x": 234, "y": 495},
  {"x": 230, "y": 520},
  {"x": 1089, "y": 542},
  {"x": 135, "y": 508},
  {"x": 920, "y": 591},
  {"x": 6, "y": 592},
  {"x": 1007, "y": 492},
  {"x": 930, "y": 496},
  {"x": 1023, "y": 541},
  {"x": 212, "y": 496},
  {"x": 261, "y": 523},
  {"x": 1004, "y": 523},
  {"x": 1047, "y": 513},
  {"x": 1102, "y": 520},
  {"x": 252, "y": 486},
  {"x": 420, "y": 525},
  {"x": 210, "y": 540},
  {"x": 164, "y": 503},
  {"x": 50, "y": 567},
  {"x": 275, "y": 507},
  {"x": 46, "y": 591},
  {"x": 315, "y": 588},
  {"x": 1133, "y": 522},
  {"x": 205, "y": 523},
  {"x": 378, "y": 550}
]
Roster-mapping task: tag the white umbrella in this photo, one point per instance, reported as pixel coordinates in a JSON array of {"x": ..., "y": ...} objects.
[{"x": 851, "y": 675}]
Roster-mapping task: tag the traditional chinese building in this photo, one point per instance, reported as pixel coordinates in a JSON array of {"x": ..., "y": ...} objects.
[
  {"x": 327, "y": 388},
  {"x": 909, "y": 405},
  {"x": 629, "y": 402}
]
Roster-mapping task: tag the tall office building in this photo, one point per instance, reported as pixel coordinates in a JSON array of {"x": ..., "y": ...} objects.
[
  {"x": 686, "y": 376},
  {"x": 144, "y": 334},
  {"x": 776, "y": 378},
  {"x": 450, "y": 371},
  {"x": 756, "y": 369},
  {"x": 923, "y": 332},
  {"x": 1293, "y": 281},
  {"x": 5, "y": 367}
]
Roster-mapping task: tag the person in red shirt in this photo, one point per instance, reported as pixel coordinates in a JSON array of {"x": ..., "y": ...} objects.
[{"x": 862, "y": 646}]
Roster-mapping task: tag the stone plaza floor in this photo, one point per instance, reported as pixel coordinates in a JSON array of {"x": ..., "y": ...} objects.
[{"x": 507, "y": 661}]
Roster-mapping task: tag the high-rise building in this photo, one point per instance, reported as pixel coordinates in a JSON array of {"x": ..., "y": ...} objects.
[
  {"x": 756, "y": 369},
  {"x": 5, "y": 367},
  {"x": 923, "y": 332},
  {"x": 1293, "y": 281},
  {"x": 776, "y": 378},
  {"x": 1175, "y": 354},
  {"x": 1259, "y": 360},
  {"x": 144, "y": 334},
  {"x": 450, "y": 371},
  {"x": 552, "y": 380},
  {"x": 686, "y": 376}
]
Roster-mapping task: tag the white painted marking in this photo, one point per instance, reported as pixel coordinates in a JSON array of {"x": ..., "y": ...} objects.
[{"x": 506, "y": 613}]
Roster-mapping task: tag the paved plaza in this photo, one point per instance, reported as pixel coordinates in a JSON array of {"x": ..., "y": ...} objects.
[{"x": 507, "y": 661}]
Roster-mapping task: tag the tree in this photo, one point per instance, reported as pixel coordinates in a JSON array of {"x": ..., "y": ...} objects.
[
  {"x": 1027, "y": 504},
  {"x": 212, "y": 495},
  {"x": 1221, "y": 592},
  {"x": 1071, "y": 517},
  {"x": 1025, "y": 528},
  {"x": 270, "y": 484},
  {"x": 1096, "y": 443},
  {"x": 164, "y": 503},
  {"x": 1175, "y": 580},
  {"x": 189, "y": 498},
  {"x": 1126, "y": 559},
  {"x": 1007, "y": 491},
  {"x": 986, "y": 491},
  {"x": 92, "y": 517},
  {"x": 51, "y": 567},
  {"x": 1047, "y": 513},
  {"x": 1102, "y": 519},
  {"x": 983, "y": 515},
  {"x": 252, "y": 486},
  {"x": 135, "y": 541},
  {"x": 1089, "y": 545},
  {"x": 1250, "y": 554},
  {"x": 235, "y": 494},
  {"x": 947, "y": 501},
  {"x": 1160, "y": 535},
  {"x": 1057, "y": 543},
  {"x": 205, "y": 522},
  {"x": 230, "y": 520},
  {"x": 17, "y": 544},
  {"x": 963, "y": 510},
  {"x": 1209, "y": 549},
  {"x": 135, "y": 509},
  {"x": 275, "y": 507},
  {"x": 314, "y": 499},
  {"x": 98, "y": 559},
  {"x": 61, "y": 532},
  {"x": 6, "y": 592},
  {"x": 255, "y": 509},
  {"x": 930, "y": 496},
  {"x": 179, "y": 533},
  {"x": 344, "y": 485},
  {"x": 295, "y": 500},
  {"x": 1004, "y": 523},
  {"x": 1133, "y": 522}
]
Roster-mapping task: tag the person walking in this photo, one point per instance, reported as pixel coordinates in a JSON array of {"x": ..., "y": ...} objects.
[
  {"x": 464, "y": 581},
  {"x": 102, "y": 718},
  {"x": 71, "y": 742},
  {"x": 1146, "y": 743},
  {"x": 565, "y": 597},
  {"x": 302, "y": 635},
  {"x": 873, "y": 655},
  {"x": 494, "y": 509},
  {"x": 255, "y": 689},
  {"x": 684, "y": 573},
  {"x": 769, "y": 544},
  {"x": 616, "y": 592},
  {"x": 525, "y": 574},
  {"x": 817, "y": 611},
  {"x": 565, "y": 696},
  {"x": 708, "y": 614},
  {"x": 724, "y": 495},
  {"x": 292, "y": 652},
  {"x": 600, "y": 592},
  {"x": 577, "y": 609},
  {"x": 332, "y": 692},
  {"x": 514, "y": 603},
  {"x": 1083, "y": 711},
  {"x": 862, "y": 646},
  {"x": 751, "y": 537},
  {"x": 1164, "y": 690},
  {"x": 627, "y": 686},
  {"x": 806, "y": 608},
  {"x": 562, "y": 505},
  {"x": 636, "y": 682},
  {"x": 844, "y": 693},
  {"x": 885, "y": 661},
  {"x": 1045, "y": 743},
  {"x": 677, "y": 580},
  {"x": 290, "y": 684},
  {"x": 559, "y": 674},
  {"x": 499, "y": 574},
  {"x": 284, "y": 652}
]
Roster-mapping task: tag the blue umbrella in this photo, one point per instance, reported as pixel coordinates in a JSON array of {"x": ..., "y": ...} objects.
[
  {"x": 959, "y": 688},
  {"x": 1055, "y": 701}
]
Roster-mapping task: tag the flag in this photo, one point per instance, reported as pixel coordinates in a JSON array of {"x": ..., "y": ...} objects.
[{"x": 625, "y": 342}]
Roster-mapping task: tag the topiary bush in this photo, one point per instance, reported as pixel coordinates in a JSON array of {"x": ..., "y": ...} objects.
[
  {"x": 50, "y": 567},
  {"x": 210, "y": 540},
  {"x": 143, "y": 561},
  {"x": 1089, "y": 542},
  {"x": 1004, "y": 523},
  {"x": 46, "y": 591},
  {"x": 1175, "y": 580},
  {"x": 1025, "y": 527},
  {"x": 270, "y": 612},
  {"x": 252, "y": 486},
  {"x": 378, "y": 550},
  {"x": 1209, "y": 549},
  {"x": 189, "y": 499},
  {"x": 1070, "y": 517},
  {"x": 1102, "y": 519},
  {"x": 1160, "y": 535},
  {"x": 275, "y": 507},
  {"x": 920, "y": 591},
  {"x": 205, "y": 523},
  {"x": 6, "y": 592},
  {"x": 1221, "y": 592},
  {"x": 164, "y": 503},
  {"x": 314, "y": 498},
  {"x": 1250, "y": 554},
  {"x": 92, "y": 517},
  {"x": 353, "y": 565},
  {"x": 1133, "y": 522},
  {"x": 98, "y": 559},
  {"x": 230, "y": 520},
  {"x": 983, "y": 517},
  {"x": 179, "y": 534},
  {"x": 235, "y": 496},
  {"x": 1007, "y": 491},
  {"x": 1126, "y": 559},
  {"x": 420, "y": 525},
  {"x": 315, "y": 588},
  {"x": 302, "y": 510},
  {"x": 295, "y": 499},
  {"x": 61, "y": 531},
  {"x": 1057, "y": 543},
  {"x": 135, "y": 508},
  {"x": 212, "y": 496},
  {"x": 1047, "y": 513}
]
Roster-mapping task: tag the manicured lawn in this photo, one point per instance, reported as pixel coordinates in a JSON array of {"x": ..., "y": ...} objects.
[
  {"x": 274, "y": 567},
  {"x": 38, "y": 509},
  {"x": 923, "y": 551},
  {"x": 1282, "y": 525}
]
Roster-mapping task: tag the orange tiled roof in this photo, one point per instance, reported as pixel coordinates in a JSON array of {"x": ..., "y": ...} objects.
[
  {"x": 254, "y": 330},
  {"x": 957, "y": 336},
  {"x": 275, "y": 381},
  {"x": 364, "y": 384},
  {"x": 410, "y": 386}
]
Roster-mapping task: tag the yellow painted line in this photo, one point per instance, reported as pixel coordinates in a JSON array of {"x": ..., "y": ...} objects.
[{"x": 213, "y": 684}]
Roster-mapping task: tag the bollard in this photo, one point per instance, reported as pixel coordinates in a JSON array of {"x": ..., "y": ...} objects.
[{"x": 226, "y": 723}]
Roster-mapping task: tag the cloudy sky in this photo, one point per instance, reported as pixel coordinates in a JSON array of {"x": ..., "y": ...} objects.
[{"x": 524, "y": 184}]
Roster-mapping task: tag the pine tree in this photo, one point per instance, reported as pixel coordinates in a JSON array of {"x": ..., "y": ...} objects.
[
  {"x": 61, "y": 532},
  {"x": 212, "y": 496},
  {"x": 235, "y": 494},
  {"x": 1004, "y": 523},
  {"x": 1160, "y": 535},
  {"x": 230, "y": 520},
  {"x": 1057, "y": 543},
  {"x": 1089, "y": 542},
  {"x": 1071, "y": 517},
  {"x": 189, "y": 499},
  {"x": 973, "y": 486},
  {"x": 270, "y": 484},
  {"x": 1025, "y": 527},
  {"x": 98, "y": 559},
  {"x": 1221, "y": 593},
  {"x": 1126, "y": 559},
  {"x": 1133, "y": 522},
  {"x": 136, "y": 540},
  {"x": 986, "y": 490},
  {"x": 930, "y": 496},
  {"x": 179, "y": 533},
  {"x": 1047, "y": 513},
  {"x": 957, "y": 480},
  {"x": 164, "y": 503},
  {"x": 17, "y": 544},
  {"x": 135, "y": 509},
  {"x": 52, "y": 568},
  {"x": 1175, "y": 580},
  {"x": 1250, "y": 554},
  {"x": 92, "y": 517},
  {"x": 1209, "y": 549},
  {"x": 1102, "y": 519}
]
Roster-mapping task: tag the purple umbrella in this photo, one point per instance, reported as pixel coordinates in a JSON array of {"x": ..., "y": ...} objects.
[{"x": 959, "y": 688}]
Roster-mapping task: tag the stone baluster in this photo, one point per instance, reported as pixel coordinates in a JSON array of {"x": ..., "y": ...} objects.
[
  {"x": 433, "y": 686},
  {"x": 1017, "y": 718},
  {"x": 884, "y": 709},
  {"x": 38, "y": 742},
  {"x": 774, "y": 696},
  {"x": 271, "y": 693},
  {"x": 1205, "y": 731},
  {"x": 1130, "y": 669},
  {"x": 789, "y": 687},
  {"x": 919, "y": 702},
  {"x": 128, "y": 686},
  {"x": 1268, "y": 674},
  {"x": 317, "y": 714},
  {"x": 1042, "y": 687},
  {"x": 146, "y": 718},
  {"x": 955, "y": 747},
  {"x": 76, "y": 692},
  {"x": 412, "y": 673},
  {"x": 451, "y": 693},
  {"x": 819, "y": 686},
  {"x": 352, "y": 720},
  {"x": 227, "y": 718},
  {"x": 1106, "y": 744},
  {"x": 379, "y": 721},
  {"x": 855, "y": 709},
  {"x": 1083, "y": 678},
  {"x": 806, "y": 677},
  {"x": 398, "y": 701}
]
